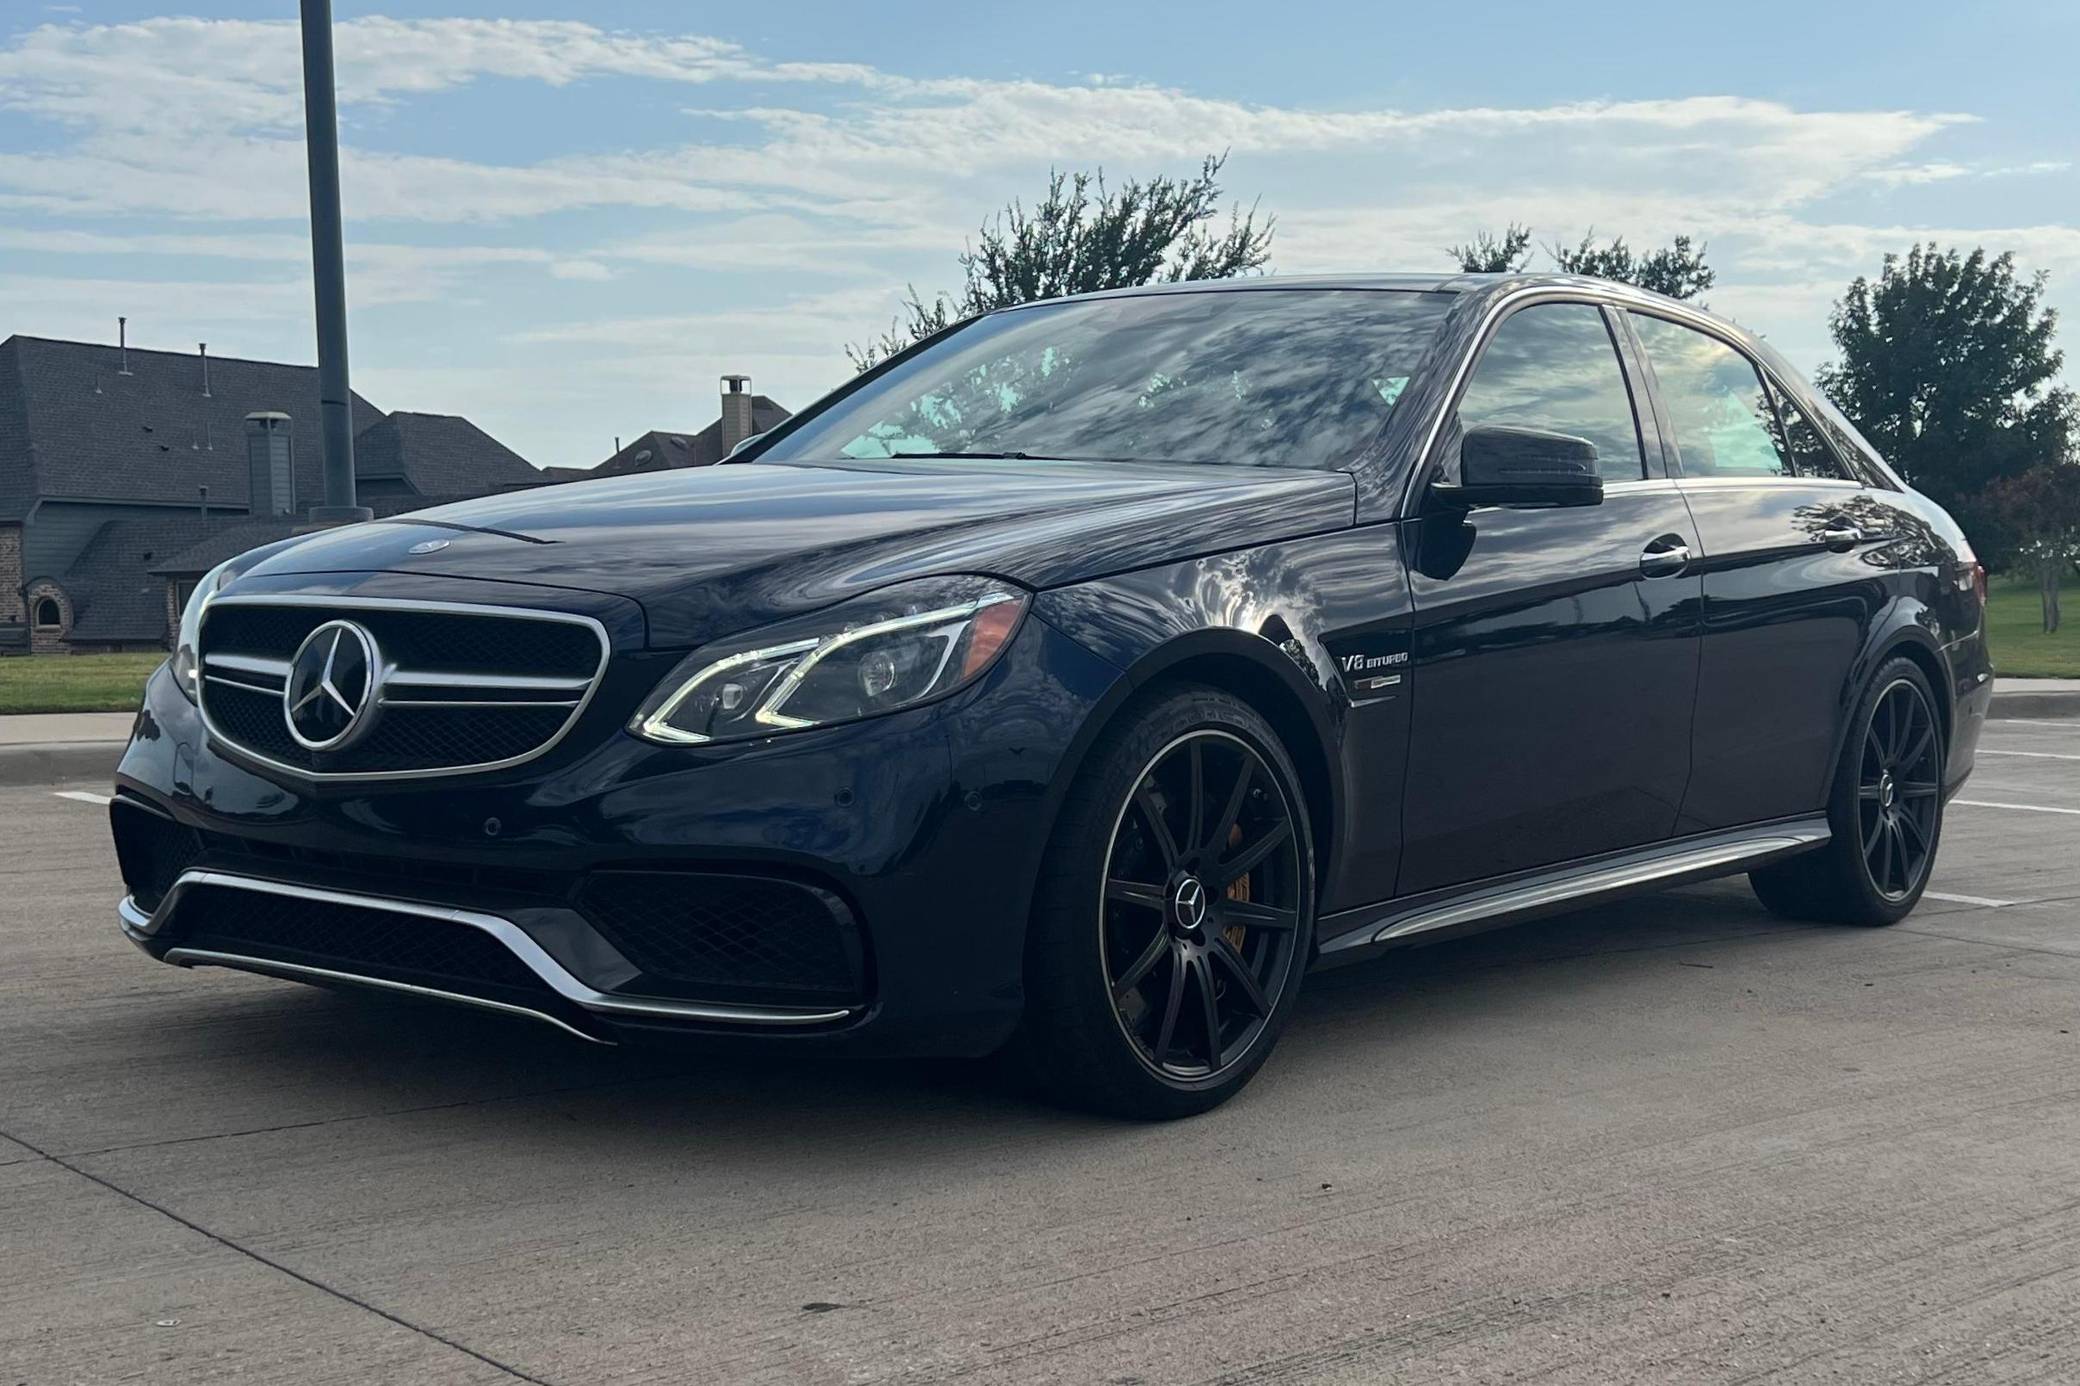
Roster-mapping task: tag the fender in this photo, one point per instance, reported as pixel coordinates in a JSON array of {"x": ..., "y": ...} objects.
[{"x": 1905, "y": 621}]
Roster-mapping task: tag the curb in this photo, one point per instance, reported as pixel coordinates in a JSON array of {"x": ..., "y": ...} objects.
[
  {"x": 2056, "y": 704},
  {"x": 59, "y": 761}
]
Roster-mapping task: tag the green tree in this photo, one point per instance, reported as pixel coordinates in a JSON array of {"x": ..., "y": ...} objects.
[
  {"x": 1084, "y": 236},
  {"x": 1948, "y": 366},
  {"x": 1486, "y": 253},
  {"x": 1677, "y": 270},
  {"x": 2042, "y": 508}
]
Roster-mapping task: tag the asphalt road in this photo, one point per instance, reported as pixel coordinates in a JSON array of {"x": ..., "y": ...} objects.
[{"x": 1673, "y": 1140}]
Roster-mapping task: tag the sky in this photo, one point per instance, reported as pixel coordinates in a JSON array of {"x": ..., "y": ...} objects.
[{"x": 567, "y": 218}]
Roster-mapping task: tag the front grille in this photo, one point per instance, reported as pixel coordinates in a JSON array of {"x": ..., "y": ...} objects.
[
  {"x": 353, "y": 939},
  {"x": 151, "y": 851},
  {"x": 729, "y": 936},
  {"x": 461, "y": 689}
]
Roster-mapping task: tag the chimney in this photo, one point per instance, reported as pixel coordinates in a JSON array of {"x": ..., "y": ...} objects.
[
  {"x": 736, "y": 411},
  {"x": 203, "y": 347},
  {"x": 270, "y": 465},
  {"x": 123, "y": 344}
]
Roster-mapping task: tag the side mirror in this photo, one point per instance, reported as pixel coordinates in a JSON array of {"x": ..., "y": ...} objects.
[
  {"x": 1500, "y": 464},
  {"x": 739, "y": 449}
]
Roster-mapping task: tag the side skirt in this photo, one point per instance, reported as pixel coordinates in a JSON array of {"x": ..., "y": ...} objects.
[{"x": 1353, "y": 933}]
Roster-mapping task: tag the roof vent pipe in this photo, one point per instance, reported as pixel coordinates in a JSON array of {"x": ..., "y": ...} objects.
[
  {"x": 123, "y": 345},
  {"x": 203, "y": 347},
  {"x": 737, "y": 422}
]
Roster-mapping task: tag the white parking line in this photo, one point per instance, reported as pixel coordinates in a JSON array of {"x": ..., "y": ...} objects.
[
  {"x": 83, "y": 795},
  {"x": 1979, "y": 900},
  {"x": 2020, "y": 808},
  {"x": 2033, "y": 755},
  {"x": 2068, "y": 723}
]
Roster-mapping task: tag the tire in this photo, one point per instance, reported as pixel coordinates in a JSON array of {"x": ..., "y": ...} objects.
[
  {"x": 1109, "y": 945},
  {"x": 1885, "y": 807}
]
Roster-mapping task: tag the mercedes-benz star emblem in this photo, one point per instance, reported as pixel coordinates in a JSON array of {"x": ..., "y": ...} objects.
[
  {"x": 331, "y": 687},
  {"x": 1188, "y": 902}
]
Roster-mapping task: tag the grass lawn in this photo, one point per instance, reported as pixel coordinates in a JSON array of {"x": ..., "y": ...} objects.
[
  {"x": 74, "y": 683},
  {"x": 2015, "y": 629}
]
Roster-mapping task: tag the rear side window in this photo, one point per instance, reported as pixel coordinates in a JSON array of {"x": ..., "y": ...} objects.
[
  {"x": 1716, "y": 403},
  {"x": 1555, "y": 367},
  {"x": 1808, "y": 449}
]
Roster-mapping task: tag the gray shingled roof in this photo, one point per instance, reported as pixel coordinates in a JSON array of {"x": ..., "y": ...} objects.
[
  {"x": 667, "y": 449},
  {"x": 439, "y": 453},
  {"x": 71, "y": 425}
]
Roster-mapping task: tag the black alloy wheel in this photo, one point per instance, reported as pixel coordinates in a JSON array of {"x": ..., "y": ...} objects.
[
  {"x": 1201, "y": 907},
  {"x": 1899, "y": 790},
  {"x": 1174, "y": 916},
  {"x": 1885, "y": 812}
]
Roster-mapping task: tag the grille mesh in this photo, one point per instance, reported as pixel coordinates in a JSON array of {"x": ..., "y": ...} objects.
[
  {"x": 151, "y": 852},
  {"x": 352, "y": 939},
  {"x": 705, "y": 930},
  {"x": 473, "y": 644}
]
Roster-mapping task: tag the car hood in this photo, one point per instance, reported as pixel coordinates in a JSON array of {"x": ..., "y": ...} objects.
[{"x": 711, "y": 551}]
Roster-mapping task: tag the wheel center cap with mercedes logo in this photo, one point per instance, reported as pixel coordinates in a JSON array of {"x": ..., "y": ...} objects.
[
  {"x": 330, "y": 694},
  {"x": 1188, "y": 905}
]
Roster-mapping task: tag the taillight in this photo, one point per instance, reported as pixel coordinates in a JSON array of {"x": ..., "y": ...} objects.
[{"x": 1971, "y": 573}]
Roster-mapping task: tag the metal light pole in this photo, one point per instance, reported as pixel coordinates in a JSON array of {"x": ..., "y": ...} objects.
[{"x": 328, "y": 269}]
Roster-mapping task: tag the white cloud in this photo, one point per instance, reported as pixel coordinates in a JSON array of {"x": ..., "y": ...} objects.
[{"x": 172, "y": 148}]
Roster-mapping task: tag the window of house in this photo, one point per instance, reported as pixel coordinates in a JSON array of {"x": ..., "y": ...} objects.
[
  {"x": 1717, "y": 405},
  {"x": 1555, "y": 367},
  {"x": 48, "y": 614}
]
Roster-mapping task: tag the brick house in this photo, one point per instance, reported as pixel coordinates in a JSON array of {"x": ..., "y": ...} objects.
[{"x": 115, "y": 462}]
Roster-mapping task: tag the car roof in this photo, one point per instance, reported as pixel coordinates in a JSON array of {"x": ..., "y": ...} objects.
[{"x": 1472, "y": 285}]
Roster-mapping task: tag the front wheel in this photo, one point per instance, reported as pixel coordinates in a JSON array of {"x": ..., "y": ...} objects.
[
  {"x": 1175, "y": 915},
  {"x": 1885, "y": 809}
]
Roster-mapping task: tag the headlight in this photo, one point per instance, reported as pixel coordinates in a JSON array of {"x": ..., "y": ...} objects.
[
  {"x": 891, "y": 649},
  {"x": 187, "y": 669}
]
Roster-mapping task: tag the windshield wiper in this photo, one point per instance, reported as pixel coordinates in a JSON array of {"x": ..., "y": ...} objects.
[{"x": 981, "y": 456}]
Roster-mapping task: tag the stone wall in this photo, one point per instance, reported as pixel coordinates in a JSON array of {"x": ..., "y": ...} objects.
[
  {"x": 11, "y": 609},
  {"x": 46, "y": 639}
]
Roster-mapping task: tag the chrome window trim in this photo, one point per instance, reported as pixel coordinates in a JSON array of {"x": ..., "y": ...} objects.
[
  {"x": 516, "y": 940},
  {"x": 1594, "y": 293},
  {"x": 349, "y": 604}
]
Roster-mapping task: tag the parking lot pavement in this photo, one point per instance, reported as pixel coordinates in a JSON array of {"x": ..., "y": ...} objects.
[{"x": 1668, "y": 1140}]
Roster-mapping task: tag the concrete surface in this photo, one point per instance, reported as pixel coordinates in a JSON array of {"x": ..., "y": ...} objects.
[
  {"x": 59, "y": 728},
  {"x": 1673, "y": 1140}
]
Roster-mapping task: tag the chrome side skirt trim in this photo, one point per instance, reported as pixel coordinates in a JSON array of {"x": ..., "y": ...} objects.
[
  {"x": 1661, "y": 864},
  {"x": 205, "y": 957},
  {"x": 517, "y": 941}
]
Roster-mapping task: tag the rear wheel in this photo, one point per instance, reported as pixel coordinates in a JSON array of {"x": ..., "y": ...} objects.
[
  {"x": 1175, "y": 916},
  {"x": 1885, "y": 809}
]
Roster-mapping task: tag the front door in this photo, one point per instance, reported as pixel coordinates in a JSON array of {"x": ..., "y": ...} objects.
[{"x": 1555, "y": 652}]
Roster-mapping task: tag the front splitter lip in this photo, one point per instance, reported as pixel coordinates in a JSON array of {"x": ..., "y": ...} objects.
[{"x": 141, "y": 927}]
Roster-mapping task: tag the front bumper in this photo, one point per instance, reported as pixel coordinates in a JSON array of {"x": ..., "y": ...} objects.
[{"x": 919, "y": 833}]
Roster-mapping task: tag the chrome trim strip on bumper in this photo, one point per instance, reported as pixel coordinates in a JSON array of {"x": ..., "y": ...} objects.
[
  {"x": 140, "y": 927},
  {"x": 1662, "y": 862},
  {"x": 207, "y": 957},
  {"x": 410, "y": 678}
]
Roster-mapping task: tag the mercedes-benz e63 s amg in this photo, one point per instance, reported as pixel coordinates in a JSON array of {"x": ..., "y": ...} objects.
[{"x": 1079, "y": 679}]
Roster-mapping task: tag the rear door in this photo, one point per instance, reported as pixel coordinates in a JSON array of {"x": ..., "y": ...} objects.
[
  {"x": 1788, "y": 592},
  {"x": 1554, "y": 651}
]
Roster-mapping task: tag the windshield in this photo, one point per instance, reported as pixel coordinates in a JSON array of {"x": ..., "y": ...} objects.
[{"x": 1277, "y": 378}]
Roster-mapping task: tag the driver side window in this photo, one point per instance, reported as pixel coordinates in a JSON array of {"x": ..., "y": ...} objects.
[{"x": 1555, "y": 367}]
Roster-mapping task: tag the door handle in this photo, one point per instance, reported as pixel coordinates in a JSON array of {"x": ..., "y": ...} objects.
[
  {"x": 1841, "y": 540},
  {"x": 1664, "y": 560}
]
